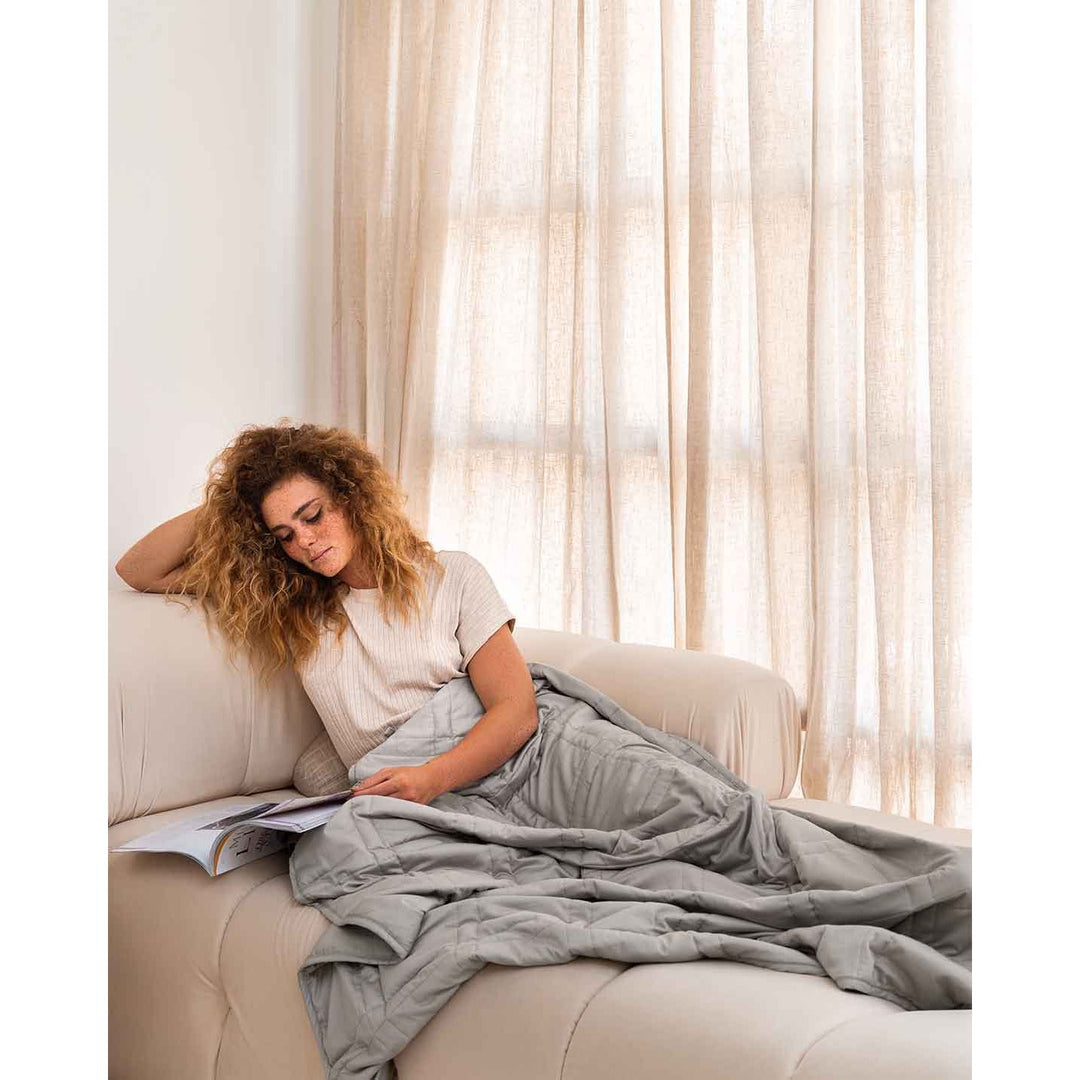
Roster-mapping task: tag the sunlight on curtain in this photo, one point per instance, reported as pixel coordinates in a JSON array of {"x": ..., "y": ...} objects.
[{"x": 660, "y": 310}]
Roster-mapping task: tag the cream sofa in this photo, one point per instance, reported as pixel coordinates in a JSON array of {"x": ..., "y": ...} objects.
[{"x": 202, "y": 971}]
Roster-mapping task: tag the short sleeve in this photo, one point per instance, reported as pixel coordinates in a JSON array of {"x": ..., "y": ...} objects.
[{"x": 482, "y": 609}]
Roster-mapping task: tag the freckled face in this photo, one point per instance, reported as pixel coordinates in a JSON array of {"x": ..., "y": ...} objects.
[{"x": 312, "y": 532}]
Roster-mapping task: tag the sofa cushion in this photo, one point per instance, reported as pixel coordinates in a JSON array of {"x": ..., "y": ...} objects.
[
  {"x": 267, "y": 1032},
  {"x": 922, "y": 1044},
  {"x": 507, "y": 1022},
  {"x": 710, "y": 1019},
  {"x": 185, "y": 725},
  {"x": 167, "y": 923},
  {"x": 861, "y": 815}
]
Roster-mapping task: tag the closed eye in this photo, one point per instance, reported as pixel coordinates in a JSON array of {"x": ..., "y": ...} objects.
[{"x": 287, "y": 538}]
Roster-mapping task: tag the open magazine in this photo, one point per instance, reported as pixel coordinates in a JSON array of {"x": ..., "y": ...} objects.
[{"x": 229, "y": 836}]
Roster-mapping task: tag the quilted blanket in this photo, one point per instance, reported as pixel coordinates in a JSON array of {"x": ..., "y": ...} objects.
[{"x": 602, "y": 837}]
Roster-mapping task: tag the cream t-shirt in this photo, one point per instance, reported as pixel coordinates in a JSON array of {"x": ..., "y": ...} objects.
[{"x": 381, "y": 674}]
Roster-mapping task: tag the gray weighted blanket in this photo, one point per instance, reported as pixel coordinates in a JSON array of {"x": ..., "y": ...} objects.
[{"x": 602, "y": 837}]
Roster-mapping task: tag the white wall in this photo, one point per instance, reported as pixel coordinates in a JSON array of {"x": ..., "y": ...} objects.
[{"x": 221, "y": 117}]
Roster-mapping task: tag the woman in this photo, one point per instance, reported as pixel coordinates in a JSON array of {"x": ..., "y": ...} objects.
[{"x": 302, "y": 554}]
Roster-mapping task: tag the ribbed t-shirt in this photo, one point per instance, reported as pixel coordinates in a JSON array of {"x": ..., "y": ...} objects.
[{"x": 380, "y": 674}]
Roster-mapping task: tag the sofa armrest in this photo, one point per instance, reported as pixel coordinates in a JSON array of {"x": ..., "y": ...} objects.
[
  {"x": 185, "y": 726},
  {"x": 861, "y": 815},
  {"x": 744, "y": 715}
]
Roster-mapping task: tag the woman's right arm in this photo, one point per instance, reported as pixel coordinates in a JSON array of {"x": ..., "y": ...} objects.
[{"x": 155, "y": 561}]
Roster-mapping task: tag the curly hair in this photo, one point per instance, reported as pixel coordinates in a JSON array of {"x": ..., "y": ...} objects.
[{"x": 262, "y": 601}]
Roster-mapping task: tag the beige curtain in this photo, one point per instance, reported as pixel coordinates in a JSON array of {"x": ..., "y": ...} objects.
[{"x": 660, "y": 309}]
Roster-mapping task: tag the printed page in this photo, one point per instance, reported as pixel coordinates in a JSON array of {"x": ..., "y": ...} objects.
[
  {"x": 187, "y": 837},
  {"x": 200, "y": 836},
  {"x": 245, "y": 844}
]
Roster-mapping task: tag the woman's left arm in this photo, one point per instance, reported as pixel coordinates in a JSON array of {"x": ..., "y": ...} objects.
[{"x": 503, "y": 684}]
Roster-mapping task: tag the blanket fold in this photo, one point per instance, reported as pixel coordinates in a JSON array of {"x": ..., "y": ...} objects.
[{"x": 602, "y": 837}]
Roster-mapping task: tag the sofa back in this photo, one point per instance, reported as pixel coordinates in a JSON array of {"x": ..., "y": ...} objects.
[{"x": 185, "y": 726}]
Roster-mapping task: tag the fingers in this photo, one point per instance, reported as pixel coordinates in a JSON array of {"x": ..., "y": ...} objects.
[
  {"x": 381, "y": 787},
  {"x": 372, "y": 781},
  {"x": 387, "y": 787},
  {"x": 384, "y": 782},
  {"x": 374, "y": 778},
  {"x": 393, "y": 782}
]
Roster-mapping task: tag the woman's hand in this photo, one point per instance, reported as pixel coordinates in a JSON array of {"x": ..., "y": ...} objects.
[{"x": 417, "y": 783}]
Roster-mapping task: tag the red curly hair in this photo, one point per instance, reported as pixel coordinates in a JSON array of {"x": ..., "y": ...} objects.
[{"x": 262, "y": 601}]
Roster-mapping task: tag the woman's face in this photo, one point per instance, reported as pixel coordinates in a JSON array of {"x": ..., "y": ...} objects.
[{"x": 300, "y": 513}]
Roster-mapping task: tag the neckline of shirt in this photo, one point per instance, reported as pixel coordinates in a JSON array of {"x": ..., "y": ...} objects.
[{"x": 368, "y": 595}]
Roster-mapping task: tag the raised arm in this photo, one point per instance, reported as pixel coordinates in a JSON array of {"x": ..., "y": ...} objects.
[{"x": 154, "y": 562}]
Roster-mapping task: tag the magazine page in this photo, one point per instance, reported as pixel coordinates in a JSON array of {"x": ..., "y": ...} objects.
[
  {"x": 229, "y": 836},
  {"x": 244, "y": 844},
  {"x": 194, "y": 836},
  {"x": 302, "y": 819},
  {"x": 254, "y": 838},
  {"x": 298, "y": 804}
]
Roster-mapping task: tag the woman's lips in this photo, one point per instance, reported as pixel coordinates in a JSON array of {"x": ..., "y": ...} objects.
[{"x": 320, "y": 555}]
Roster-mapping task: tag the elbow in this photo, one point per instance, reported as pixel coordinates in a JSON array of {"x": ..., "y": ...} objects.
[{"x": 131, "y": 577}]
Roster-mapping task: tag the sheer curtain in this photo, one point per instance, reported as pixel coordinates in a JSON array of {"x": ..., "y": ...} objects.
[{"x": 660, "y": 309}]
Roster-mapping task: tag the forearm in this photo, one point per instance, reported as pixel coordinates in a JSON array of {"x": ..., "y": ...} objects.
[
  {"x": 494, "y": 739},
  {"x": 503, "y": 683},
  {"x": 161, "y": 551}
]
